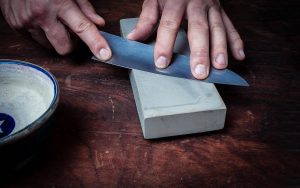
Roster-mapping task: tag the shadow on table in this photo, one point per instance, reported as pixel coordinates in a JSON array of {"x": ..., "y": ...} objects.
[{"x": 56, "y": 147}]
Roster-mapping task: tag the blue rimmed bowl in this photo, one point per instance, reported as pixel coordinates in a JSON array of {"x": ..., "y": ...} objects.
[{"x": 28, "y": 98}]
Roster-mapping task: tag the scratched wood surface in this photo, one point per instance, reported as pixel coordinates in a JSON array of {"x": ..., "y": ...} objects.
[{"x": 97, "y": 140}]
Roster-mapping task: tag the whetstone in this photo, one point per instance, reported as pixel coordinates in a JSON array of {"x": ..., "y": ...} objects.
[{"x": 169, "y": 106}]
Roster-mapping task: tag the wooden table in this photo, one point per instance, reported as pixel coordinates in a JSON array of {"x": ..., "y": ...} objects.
[{"x": 97, "y": 139}]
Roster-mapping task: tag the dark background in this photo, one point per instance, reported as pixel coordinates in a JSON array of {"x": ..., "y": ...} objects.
[{"x": 97, "y": 139}]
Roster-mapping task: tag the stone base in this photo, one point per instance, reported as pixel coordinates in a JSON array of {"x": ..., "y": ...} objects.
[{"x": 169, "y": 106}]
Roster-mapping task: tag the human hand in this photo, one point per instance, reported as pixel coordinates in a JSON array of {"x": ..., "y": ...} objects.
[
  {"x": 53, "y": 20},
  {"x": 209, "y": 29}
]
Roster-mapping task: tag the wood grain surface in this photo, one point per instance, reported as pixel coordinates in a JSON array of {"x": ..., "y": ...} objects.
[{"x": 97, "y": 139}]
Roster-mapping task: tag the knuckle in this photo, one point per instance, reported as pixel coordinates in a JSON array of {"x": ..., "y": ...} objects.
[
  {"x": 61, "y": 2},
  {"x": 25, "y": 20},
  {"x": 198, "y": 8},
  {"x": 147, "y": 4},
  {"x": 215, "y": 7},
  {"x": 239, "y": 42},
  {"x": 148, "y": 20},
  {"x": 64, "y": 5},
  {"x": 162, "y": 50},
  {"x": 200, "y": 52},
  {"x": 54, "y": 32},
  {"x": 82, "y": 26},
  {"x": 38, "y": 8},
  {"x": 218, "y": 26},
  {"x": 198, "y": 25},
  {"x": 233, "y": 32},
  {"x": 236, "y": 39},
  {"x": 220, "y": 49},
  {"x": 96, "y": 45},
  {"x": 63, "y": 45},
  {"x": 169, "y": 24}
]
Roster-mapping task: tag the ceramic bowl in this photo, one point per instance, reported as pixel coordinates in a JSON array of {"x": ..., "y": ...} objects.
[{"x": 28, "y": 98}]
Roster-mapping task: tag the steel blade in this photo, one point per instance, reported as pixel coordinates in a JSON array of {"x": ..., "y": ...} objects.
[{"x": 135, "y": 55}]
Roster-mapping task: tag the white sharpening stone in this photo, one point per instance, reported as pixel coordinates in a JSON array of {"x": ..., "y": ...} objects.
[{"x": 169, "y": 106}]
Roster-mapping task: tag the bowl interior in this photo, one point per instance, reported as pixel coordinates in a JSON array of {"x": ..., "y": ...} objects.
[{"x": 26, "y": 93}]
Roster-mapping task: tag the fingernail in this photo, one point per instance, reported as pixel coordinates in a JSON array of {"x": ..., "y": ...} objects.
[
  {"x": 161, "y": 62},
  {"x": 130, "y": 35},
  {"x": 105, "y": 54},
  {"x": 220, "y": 59},
  {"x": 200, "y": 70},
  {"x": 242, "y": 53}
]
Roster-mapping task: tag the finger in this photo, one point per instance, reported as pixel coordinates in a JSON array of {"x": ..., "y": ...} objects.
[
  {"x": 198, "y": 35},
  {"x": 167, "y": 32},
  {"x": 234, "y": 39},
  {"x": 12, "y": 15},
  {"x": 89, "y": 11},
  {"x": 39, "y": 36},
  {"x": 22, "y": 14},
  {"x": 85, "y": 29},
  {"x": 147, "y": 21},
  {"x": 59, "y": 37},
  {"x": 217, "y": 38},
  {"x": 5, "y": 9}
]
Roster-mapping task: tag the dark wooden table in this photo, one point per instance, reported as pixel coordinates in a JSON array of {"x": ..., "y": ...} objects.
[{"x": 97, "y": 139}]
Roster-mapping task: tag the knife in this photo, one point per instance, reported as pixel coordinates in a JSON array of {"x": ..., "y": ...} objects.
[{"x": 135, "y": 55}]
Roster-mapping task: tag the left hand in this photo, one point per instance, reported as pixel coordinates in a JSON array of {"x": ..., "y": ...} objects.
[
  {"x": 209, "y": 29},
  {"x": 51, "y": 23}
]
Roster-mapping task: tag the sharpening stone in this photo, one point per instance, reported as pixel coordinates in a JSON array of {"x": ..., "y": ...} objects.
[{"x": 169, "y": 106}]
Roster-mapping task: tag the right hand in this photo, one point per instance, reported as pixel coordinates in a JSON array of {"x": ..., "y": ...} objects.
[
  {"x": 49, "y": 23},
  {"x": 210, "y": 33}
]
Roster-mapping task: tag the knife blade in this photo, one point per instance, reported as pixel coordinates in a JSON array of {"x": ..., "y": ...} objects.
[{"x": 135, "y": 55}]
